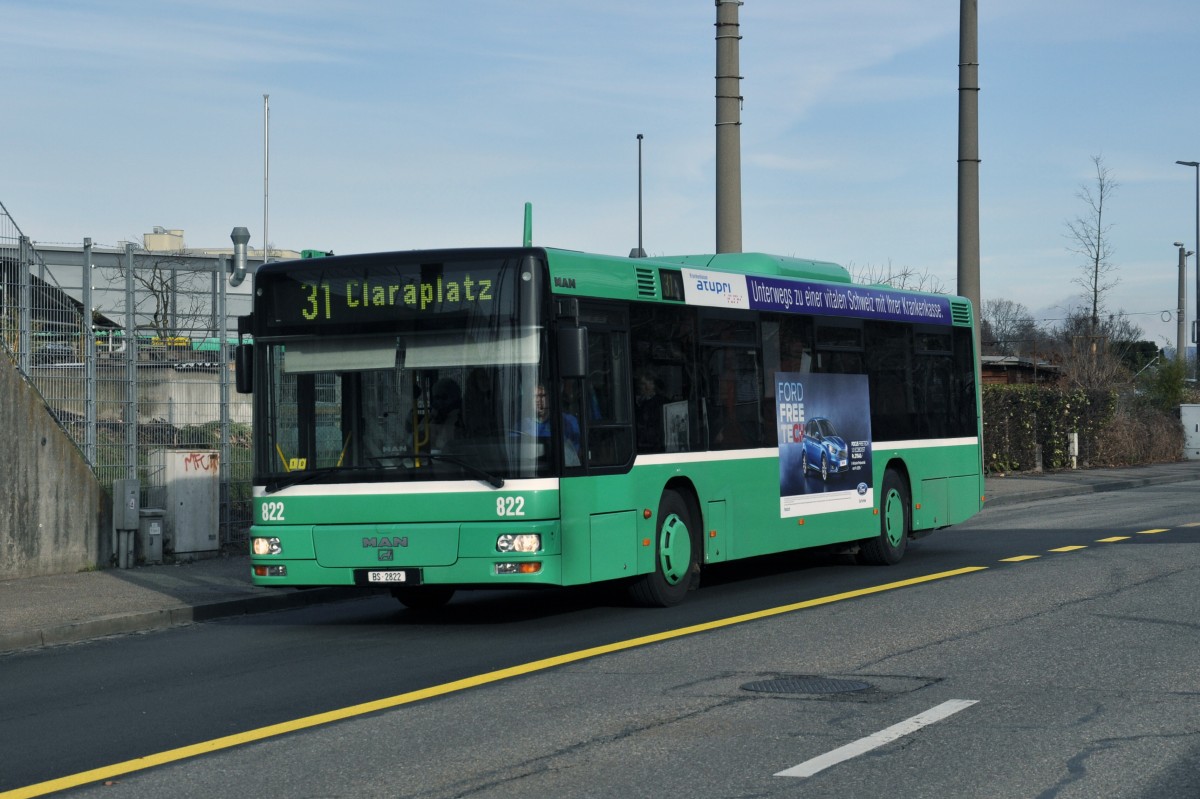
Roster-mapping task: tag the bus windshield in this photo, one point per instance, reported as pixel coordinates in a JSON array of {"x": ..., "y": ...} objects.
[{"x": 442, "y": 389}]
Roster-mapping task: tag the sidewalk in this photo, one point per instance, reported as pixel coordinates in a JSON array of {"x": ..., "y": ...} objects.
[{"x": 64, "y": 608}]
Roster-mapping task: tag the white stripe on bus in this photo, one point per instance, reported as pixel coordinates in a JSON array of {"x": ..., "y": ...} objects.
[
  {"x": 666, "y": 458},
  {"x": 550, "y": 483},
  {"x": 464, "y": 486}
]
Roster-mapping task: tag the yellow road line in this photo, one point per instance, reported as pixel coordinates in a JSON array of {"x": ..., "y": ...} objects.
[
  {"x": 1150, "y": 532},
  {"x": 1113, "y": 539},
  {"x": 1068, "y": 549},
  {"x": 1019, "y": 558},
  {"x": 273, "y": 730}
]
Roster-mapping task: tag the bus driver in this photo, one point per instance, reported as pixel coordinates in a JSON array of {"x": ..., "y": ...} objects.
[{"x": 541, "y": 427}]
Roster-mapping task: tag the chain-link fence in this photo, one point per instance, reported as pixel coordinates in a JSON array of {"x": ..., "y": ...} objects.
[{"x": 131, "y": 352}]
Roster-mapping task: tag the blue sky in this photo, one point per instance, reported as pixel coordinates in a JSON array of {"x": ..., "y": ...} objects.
[{"x": 397, "y": 125}]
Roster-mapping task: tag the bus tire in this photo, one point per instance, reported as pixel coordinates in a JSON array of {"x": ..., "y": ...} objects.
[
  {"x": 424, "y": 597},
  {"x": 895, "y": 524},
  {"x": 676, "y": 556}
]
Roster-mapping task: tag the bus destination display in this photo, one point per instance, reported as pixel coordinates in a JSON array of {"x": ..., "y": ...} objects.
[{"x": 319, "y": 297}]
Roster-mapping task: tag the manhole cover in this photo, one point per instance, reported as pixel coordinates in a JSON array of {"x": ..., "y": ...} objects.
[{"x": 806, "y": 685}]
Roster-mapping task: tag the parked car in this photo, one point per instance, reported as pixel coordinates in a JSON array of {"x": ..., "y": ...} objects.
[
  {"x": 55, "y": 353},
  {"x": 824, "y": 449}
]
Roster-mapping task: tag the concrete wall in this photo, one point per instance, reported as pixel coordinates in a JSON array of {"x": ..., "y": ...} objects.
[
  {"x": 51, "y": 505},
  {"x": 178, "y": 397}
]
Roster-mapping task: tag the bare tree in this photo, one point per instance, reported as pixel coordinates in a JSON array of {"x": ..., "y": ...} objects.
[
  {"x": 171, "y": 297},
  {"x": 906, "y": 278},
  {"x": 1010, "y": 327},
  {"x": 1096, "y": 356},
  {"x": 1088, "y": 236}
]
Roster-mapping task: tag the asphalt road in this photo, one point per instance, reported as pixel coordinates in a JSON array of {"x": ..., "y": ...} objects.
[{"x": 1065, "y": 673}]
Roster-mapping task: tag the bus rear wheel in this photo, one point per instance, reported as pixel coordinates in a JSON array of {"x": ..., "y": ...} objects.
[
  {"x": 425, "y": 597},
  {"x": 676, "y": 556},
  {"x": 895, "y": 524}
]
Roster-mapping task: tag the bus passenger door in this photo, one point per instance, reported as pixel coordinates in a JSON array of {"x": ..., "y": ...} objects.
[{"x": 599, "y": 519}]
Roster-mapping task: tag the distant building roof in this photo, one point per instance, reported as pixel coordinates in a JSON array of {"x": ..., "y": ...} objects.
[{"x": 1016, "y": 369}]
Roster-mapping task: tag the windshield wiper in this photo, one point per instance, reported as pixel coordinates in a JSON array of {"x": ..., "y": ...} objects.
[
  {"x": 306, "y": 477},
  {"x": 481, "y": 475},
  {"x": 399, "y": 458}
]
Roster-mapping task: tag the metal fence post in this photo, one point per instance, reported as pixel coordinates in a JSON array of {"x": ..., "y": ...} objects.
[
  {"x": 25, "y": 304},
  {"x": 223, "y": 360},
  {"x": 89, "y": 357},
  {"x": 131, "y": 355}
]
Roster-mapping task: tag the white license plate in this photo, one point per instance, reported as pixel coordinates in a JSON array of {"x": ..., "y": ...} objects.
[{"x": 387, "y": 577}]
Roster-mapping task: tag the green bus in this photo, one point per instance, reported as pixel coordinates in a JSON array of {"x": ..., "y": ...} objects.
[{"x": 428, "y": 421}]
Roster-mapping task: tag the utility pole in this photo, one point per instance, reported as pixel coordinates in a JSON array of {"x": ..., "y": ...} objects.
[
  {"x": 1196, "y": 329},
  {"x": 729, "y": 130},
  {"x": 968, "y": 159}
]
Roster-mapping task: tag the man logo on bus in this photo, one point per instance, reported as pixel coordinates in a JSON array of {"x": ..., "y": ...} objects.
[{"x": 385, "y": 541}]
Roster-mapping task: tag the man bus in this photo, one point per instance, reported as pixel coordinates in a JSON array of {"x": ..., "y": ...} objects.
[{"x": 353, "y": 485}]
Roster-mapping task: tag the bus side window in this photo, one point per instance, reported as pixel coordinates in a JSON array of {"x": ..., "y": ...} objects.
[
  {"x": 786, "y": 348},
  {"x": 663, "y": 344},
  {"x": 890, "y": 370},
  {"x": 602, "y": 401},
  {"x": 735, "y": 381},
  {"x": 736, "y": 411},
  {"x": 840, "y": 347}
]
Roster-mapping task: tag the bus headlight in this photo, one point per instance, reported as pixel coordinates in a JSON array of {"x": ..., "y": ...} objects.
[
  {"x": 524, "y": 567},
  {"x": 526, "y": 542},
  {"x": 266, "y": 546}
]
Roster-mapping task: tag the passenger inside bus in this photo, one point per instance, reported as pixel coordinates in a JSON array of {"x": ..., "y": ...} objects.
[
  {"x": 649, "y": 413},
  {"x": 445, "y": 401},
  {"x": 479, "y": 407}
]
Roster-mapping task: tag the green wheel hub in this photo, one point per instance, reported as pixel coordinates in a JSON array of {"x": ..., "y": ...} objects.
[
  {"x": 893, "y": 517},
  {"x": 674, "y": 549}
]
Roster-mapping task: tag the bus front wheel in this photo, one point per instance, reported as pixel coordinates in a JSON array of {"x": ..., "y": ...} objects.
[
  {"x": 676, "y": 556},
  {"x": 895, "y": 524}
]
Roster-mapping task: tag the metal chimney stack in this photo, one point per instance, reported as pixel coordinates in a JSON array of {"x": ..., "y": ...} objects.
[
  {"x": 729, "y": 130},
  {"x": 237, "y": 273}
]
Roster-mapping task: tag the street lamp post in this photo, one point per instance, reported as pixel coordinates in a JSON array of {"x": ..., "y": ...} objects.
[
  {"x": 637, "y": 251},
  {"x": 1196, "y": 166},
  {"x": 1181, "y": 312}
]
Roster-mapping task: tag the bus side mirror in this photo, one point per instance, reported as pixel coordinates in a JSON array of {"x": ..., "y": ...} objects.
[
  {"x": 243, "y": 368},
  {"x": 572, "y": 352}
]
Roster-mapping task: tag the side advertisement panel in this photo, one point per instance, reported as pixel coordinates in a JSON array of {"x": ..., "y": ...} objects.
[
  {"x": 824, "y": 443},
  {"x": 759, "y": 293}
]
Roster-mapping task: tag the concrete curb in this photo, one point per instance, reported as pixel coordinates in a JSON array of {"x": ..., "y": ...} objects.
[
  {"x": 1058, "y": 491},
  {"x": 126, "y": 623}
]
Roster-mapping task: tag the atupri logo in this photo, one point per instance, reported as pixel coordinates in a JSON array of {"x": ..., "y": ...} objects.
[
  {"x": 714, "y": 288},
  {"x": 704, "y": 285}
]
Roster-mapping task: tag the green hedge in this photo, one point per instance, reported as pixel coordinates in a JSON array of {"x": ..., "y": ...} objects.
[{"x": 1018, "y": 418}]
